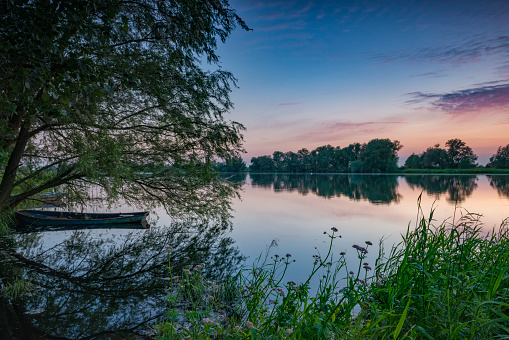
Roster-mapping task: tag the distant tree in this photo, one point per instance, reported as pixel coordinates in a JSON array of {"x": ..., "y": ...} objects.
[
  {"x": 357, "y": 166},
  {"x": 460, "y": 155},
  {"x": 262, "y": 164},
  {"x": 413, "y": 162},
  {"x": 434, "y": 158},
  {"x": 380, "y": 155},
  {"x": 304, "y": 161},
  {"x": 278, "y": 158},
  {"x": 235, "y": 164},
  {"x": 500, "y": 160}
]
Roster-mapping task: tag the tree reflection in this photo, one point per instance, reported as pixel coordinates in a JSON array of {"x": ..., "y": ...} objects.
[
  {"x": 456, "y": 188},
  {"x": 501, "y": 183},
  {"x": 377, "y": 189},
  {"x": 97, "y": 286}
]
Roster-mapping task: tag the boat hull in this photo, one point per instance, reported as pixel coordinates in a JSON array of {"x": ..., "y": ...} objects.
[{"x": 61, "y": 218}]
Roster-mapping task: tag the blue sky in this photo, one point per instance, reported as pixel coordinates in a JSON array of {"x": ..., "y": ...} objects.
[{"x": 312, "y": 73}]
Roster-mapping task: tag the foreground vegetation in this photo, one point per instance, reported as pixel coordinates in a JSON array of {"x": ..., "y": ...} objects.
[{"x": 445, "y": 282}]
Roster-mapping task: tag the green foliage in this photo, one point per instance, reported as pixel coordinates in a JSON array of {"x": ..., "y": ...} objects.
[
  {"x": 500, "y": 160},
  {"x": 111, "y": 93},
  {"x": 262, "y": 164},
  {"x": 460, "y": 155},
  {"x": 457, "y": 155},
  {"x": 235, "y": 164},
  {"x": 379, "y": 155},
  {"x": 445, "y": 282}
]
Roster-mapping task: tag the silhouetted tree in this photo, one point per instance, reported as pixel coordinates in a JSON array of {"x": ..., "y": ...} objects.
[
  {"x": 460, "y": 155},
  {"x": 262, "y": 164},
  {"x": 500, "y": 160},
  {"x": 380, "y": 155},
  {"x": 235, "y": 164}
]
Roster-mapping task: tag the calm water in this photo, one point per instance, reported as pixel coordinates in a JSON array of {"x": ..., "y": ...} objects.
[{"x": 112, "y": 283}]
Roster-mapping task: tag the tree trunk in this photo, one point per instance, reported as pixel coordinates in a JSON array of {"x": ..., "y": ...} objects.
[{"x": 11, "y": 169}]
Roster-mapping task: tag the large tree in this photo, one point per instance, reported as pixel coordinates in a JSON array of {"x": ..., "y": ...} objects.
[
  {"x": 380, "y": 155},
  {"x": 112, "y": 93},
  {"x": 460, "y": 154}
]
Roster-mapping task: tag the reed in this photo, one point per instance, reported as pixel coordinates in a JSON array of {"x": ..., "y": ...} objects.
[{"x": 441, "y": 282}]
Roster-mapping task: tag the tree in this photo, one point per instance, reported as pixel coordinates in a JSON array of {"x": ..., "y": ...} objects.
[
  {"x": 460, "y": 155},
  {"x": 111, "y": 93},
  {"x": 500, "y": 160},
  {"x": 413, "y": 162},
  {"x": 435, "y": 158},
  {"x": 380, "y": 155},
  {"x": 235, "y": 164},
  {"x": 262, "y": 164}
]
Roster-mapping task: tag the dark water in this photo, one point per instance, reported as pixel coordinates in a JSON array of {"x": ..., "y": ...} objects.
[{"x": 112, "y": 284}]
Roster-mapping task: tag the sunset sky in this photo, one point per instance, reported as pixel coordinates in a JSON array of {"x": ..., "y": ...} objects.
[{"x": 313, "y": 73}]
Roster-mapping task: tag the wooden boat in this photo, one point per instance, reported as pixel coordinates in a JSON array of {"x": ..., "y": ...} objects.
[{"x": 81, "y": 220}]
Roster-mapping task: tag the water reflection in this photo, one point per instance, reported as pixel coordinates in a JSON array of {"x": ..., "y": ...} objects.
[
  {"x": 377, "y": 189},
  {"x": 108, "y": 285},
  {"x": 501, "y": 183},
  {"x": 456, "y": 188}
]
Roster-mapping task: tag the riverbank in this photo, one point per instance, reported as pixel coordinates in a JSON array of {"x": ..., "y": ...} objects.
[
  {"x": 474, "y": 171},
  {"x": 444, "y": 282}
]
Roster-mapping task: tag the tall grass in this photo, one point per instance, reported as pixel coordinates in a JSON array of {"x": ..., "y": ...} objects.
[{"x": 445, "y": 282}]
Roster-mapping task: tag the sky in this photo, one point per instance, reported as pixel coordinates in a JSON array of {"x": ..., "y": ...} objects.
[{"x": 312, "y": 73}]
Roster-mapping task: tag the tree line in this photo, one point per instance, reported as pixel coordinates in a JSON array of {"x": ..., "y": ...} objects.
[
  {"x": 456, "y": 155},
  {"x": 376, "y": 156}
]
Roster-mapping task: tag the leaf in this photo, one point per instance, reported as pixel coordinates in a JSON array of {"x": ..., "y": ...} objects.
[
  {"x": 402, "y": 319},
  {"x": 45, "y": 97}
]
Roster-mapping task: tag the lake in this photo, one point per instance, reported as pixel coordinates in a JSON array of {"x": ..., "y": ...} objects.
[{"x": 108, "y": 284}]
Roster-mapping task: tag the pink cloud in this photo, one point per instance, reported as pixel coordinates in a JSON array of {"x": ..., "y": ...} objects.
[{"x": 485, "y": 99}]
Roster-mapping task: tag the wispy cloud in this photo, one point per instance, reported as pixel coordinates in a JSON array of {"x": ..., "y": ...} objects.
[
  {"x": 476, "y": 99},
  {"x": 471, "y": 51}
]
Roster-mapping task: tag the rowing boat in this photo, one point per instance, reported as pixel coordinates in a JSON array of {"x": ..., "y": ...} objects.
[{"x": 63, "y": 218}]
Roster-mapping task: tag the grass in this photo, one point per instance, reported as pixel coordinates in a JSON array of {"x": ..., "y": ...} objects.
[{"x": 445, "y": 282}]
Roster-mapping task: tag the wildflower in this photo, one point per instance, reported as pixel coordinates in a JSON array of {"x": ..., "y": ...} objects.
[
  {"x": 207, "y": 320},
  {"x": 272, "y": 301},
  {"x": 342, "y": 253},
  {"x": 291, "y": 283},
  {"x": 369, "y": 243},
  {"x": 340, "y": 291},
  {"x": 281, "y": 291},
  {"x": 379, "y": 283},
  {"x": 328, "y": 263},
  {"x": 168, "y": 248},
  {"x": 367, "y": 267},
  {"x": 187, "y": 271},
  {"x": 237, "y": 327},
  {"x": 351, "y": 272},
  {"x": 276, "y": 256},
  {"x": 288, "y": 255},
  {"x": 334, "y": 229},
  {"x": 249, "y": 324},
  {"x": 365, "y": 263}
]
